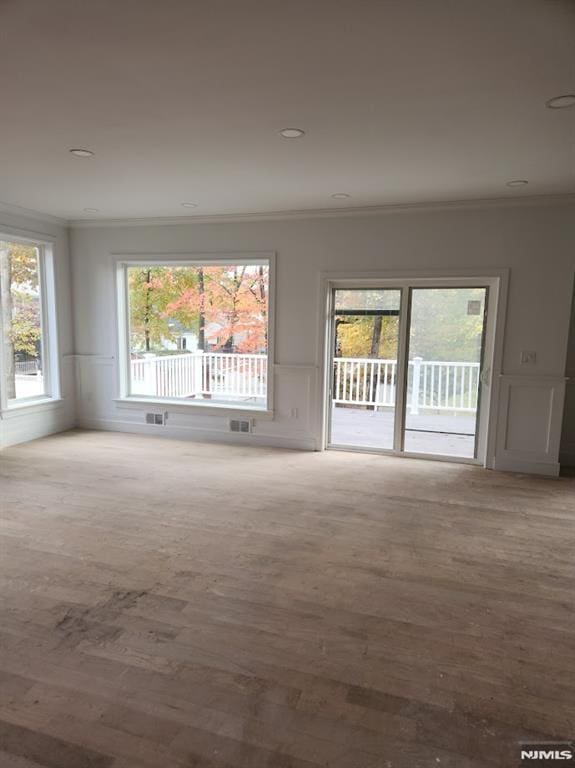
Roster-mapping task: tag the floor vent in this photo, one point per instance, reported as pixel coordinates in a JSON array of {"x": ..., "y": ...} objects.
[
  {"x": 240, "y": 426},
  {"x": 156, "y": 418}
]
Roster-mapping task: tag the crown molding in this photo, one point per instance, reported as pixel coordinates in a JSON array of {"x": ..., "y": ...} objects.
[
  {"x": 326, "y": 213},
  {"x": 312, "y": 213},
  {"x": 28, "y": 213}
]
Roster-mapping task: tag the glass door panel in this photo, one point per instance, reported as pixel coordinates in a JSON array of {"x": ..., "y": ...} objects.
[
  {"x": 446, "y": 338},
  {"x": 365, "y": 333}
]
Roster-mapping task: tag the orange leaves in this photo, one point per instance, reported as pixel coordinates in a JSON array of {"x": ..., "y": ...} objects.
[
  {"x": 233, "y": 301},
  {"x": 225, "y": 305}
]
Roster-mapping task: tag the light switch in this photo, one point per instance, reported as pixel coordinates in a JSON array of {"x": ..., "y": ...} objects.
[{"x": 528, "y": 357}]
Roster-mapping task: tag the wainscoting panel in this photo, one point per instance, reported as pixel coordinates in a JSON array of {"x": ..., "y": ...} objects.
[
  {"x": 529, "y": 423},
  {"x": 292, "y": 425}
]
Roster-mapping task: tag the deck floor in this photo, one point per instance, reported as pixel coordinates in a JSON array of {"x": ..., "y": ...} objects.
[
  {"x": 169, "y": 604},
  {"x": 29, "y": 386},
  {"x": 430, "y": 433}
]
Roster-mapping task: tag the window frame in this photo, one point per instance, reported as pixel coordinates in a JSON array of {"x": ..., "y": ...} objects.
[
  {"x": 206, "y": 407},
  {"x": 49, "y": 319}
]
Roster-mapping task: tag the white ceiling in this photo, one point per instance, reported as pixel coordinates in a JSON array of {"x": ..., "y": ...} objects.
[{"x": 402, "y": 101}]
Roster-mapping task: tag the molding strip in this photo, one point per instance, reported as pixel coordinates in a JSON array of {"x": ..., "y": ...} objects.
[
  {"x": 29, "y": 213},
  {"x": 312, "y": 213},
  {"x": 326, "y": 213}
]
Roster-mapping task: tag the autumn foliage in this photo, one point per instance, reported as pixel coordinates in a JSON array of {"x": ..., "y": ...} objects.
[
  {"x": 20, "y": 273},
  {"x": 225, "y": 306},
  {"x": 20, "y": 307}
]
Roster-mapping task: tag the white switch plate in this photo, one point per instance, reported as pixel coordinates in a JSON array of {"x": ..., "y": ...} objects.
[{"x": 528, "y": 357}]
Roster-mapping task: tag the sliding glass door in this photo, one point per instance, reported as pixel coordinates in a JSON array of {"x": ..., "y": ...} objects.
[
  {"x": 364, "y": 367},
  {"x": 446, "y": 335},
  {"x": 406, "y": 368}
]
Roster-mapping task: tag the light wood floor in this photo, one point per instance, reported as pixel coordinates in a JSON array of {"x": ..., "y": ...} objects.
[{"x": 167, "y": 604}]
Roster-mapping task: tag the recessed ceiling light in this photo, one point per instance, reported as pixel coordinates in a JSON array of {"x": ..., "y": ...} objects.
[
  {"x": 561, "y": 102},
  {"x": 292, "y": 133},
  {"x": 92, "y": 210},
  {"x": 517, "y": 183},
  {"x": 190, "y": 205},
  {"x": 82, "y": 153},
  {"x": 340, "y": 196}
]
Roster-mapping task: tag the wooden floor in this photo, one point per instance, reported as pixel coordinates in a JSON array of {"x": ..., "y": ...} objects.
[{"x": 167, "y": 604}]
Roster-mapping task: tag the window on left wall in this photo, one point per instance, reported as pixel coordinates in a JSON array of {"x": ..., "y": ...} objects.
[{"x": 25, "y": 319}]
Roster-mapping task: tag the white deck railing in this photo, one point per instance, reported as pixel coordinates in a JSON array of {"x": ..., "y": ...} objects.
[
  {"x": 27, "y": 367},
  {"x": 199, "y": 374},
  {"x": 432, "y": 384}
]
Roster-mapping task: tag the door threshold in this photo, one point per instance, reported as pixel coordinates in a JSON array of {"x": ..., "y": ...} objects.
[{"x": 405, "y": 455}]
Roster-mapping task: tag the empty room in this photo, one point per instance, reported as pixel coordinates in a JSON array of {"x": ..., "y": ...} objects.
[{"x": 287, "y": 399}]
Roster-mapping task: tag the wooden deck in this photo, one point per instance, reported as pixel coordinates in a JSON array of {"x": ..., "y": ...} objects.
[{"x": 436, "y": 433}]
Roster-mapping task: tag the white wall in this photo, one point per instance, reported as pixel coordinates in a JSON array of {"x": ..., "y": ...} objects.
[
  {"x": 536, "y": 242},
  {"x": 19, "y": 425}
]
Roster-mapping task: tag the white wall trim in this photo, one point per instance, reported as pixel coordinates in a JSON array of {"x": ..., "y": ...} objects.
[
  {"x": 369, "y": 210},
  {"x": 29, "y": 213},
  {"x": 200, "y": 434},
  {"x": 323, "y": 213},
  {"x": 24, "y": 408},
  {"x": 193, "y": 407},
  {"x": 506, "y": 464}
]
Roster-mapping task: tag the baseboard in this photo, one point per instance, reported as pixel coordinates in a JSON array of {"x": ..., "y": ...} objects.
[
  {"x": 199, "y": 435},
  {"x": 527, "y": 467}
]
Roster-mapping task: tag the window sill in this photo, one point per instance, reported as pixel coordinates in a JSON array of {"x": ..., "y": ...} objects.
[
  {"x": 204, "y": 408},
  {"x": 31, "y": 406}
]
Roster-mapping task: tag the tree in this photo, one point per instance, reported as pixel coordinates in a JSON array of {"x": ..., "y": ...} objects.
[
  {"x": 374, "y": 337},
  {"x": 442, "y": 328},
  {"x": 21, "y": 310},
  {"x": 202, "y": 310},
  {"x": 152, "y": 290},
  {"x": 232, "y": 303},
  {"x": 226, "y": 305}
]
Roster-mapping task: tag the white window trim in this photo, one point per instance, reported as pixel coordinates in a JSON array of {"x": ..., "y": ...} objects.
[
  {"x": 50, "y": 350},
  {"x": 121, "y": 263}
]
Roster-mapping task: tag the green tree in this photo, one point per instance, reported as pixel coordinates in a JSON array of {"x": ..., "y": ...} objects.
[
  {"x": 20, "y": 303},
  {"x": 152, "y": 291},
  {"x": 374, "y": 337}
]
